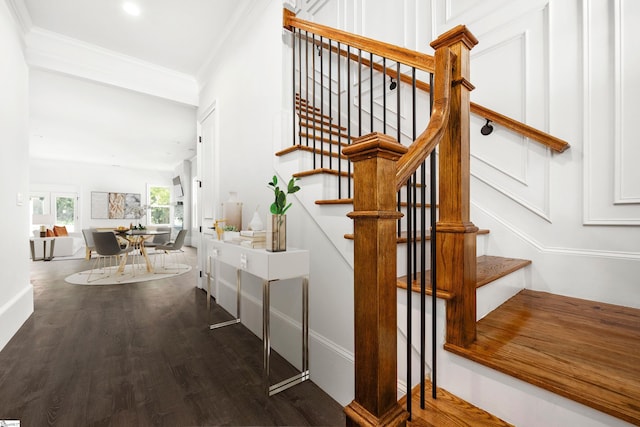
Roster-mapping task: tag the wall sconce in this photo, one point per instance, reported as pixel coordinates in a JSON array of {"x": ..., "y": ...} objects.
[{"x": 393, "y": 84}]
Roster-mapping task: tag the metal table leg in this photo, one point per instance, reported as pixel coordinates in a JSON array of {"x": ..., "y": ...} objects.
[
  {"x": 266, "y": 338},
  {"x": 238, "y": 298}
]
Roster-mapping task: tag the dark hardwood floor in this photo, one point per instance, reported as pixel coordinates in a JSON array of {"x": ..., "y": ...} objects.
[{"x": 142, "y": 355}]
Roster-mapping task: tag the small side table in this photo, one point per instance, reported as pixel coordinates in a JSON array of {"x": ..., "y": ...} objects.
[
  {"x": 44, "y": 241},
  {"x": 271, "y": 267}
]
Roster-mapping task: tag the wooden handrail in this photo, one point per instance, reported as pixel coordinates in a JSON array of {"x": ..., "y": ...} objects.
[
  {"x": 409, "y": 57},
  {"x": 430, "y": 138},
  {"x": 384, "y": 49},
  {"x": 556, "y": 144}
]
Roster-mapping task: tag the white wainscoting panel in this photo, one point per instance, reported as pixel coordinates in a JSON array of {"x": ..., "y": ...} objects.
[
  {"x": 611, "y": 89},
  {"x": 509, "y": 70},
  {"x": 627, "y": 109}
]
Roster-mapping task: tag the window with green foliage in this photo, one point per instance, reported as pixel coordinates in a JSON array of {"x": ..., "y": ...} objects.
[{"x": 159, "y": 205}]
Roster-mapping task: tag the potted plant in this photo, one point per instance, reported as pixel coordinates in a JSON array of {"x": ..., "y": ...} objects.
[{"x": 277, "y": 223}]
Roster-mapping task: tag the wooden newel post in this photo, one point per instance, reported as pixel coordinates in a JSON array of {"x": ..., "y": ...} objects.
[
  {"x": 375, "y": 215},
  {"x": 456, "y": 234}
]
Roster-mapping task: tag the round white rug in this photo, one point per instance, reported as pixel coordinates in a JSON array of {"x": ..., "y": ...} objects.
[{"x": 129, "y": 275}]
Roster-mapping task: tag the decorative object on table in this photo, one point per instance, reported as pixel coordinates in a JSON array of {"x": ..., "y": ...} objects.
[
  {"x": 43, "y": 221},
  {"x": 256, "y": 223},
  {"x": 256, "y": 239},
  {"x": 230, "y": 233},
  {"x": 232, "y": 211},
  {"x": 218, "y": 225},
  {"x": 276, "y": 238}
]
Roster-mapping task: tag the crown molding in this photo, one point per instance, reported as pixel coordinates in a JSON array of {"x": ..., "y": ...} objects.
[
  {"x": 21, "y": 16},
  {"x": 52, "y": 51},
  {"x": 238, "y": 22}
]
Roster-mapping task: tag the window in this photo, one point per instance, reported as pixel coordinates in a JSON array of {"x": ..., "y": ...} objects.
[
  {"x": 66, "y": 210},
  {"x": 159, "y": 205}
]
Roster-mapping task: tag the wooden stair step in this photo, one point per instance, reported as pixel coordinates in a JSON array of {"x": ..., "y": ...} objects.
[
  {"x": 309, "y": 136},
  {"x": 323, "y": 129},
  {"x": 347, "y": 201},
  {"x": 299, "y": 147},
  {"x": 488, "y": 269},
  {"x": 310, "y": 119},
  {"x": 308, "y": 111},
  {"x": 586, "y": 351},
  {"x": 319, "y": 171},
  {"x": 447, "y": 410}
]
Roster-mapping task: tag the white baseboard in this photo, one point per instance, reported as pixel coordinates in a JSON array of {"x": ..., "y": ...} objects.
[{"x": 14, "y": 313}]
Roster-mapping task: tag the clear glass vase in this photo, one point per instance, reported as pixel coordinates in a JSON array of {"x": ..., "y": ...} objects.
[{"x": 277, "y": 233}]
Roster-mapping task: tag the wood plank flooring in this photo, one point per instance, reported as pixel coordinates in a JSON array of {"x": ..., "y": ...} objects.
[
  {"x": 142, "y": 355},
  {"x": 583, "y": 350}
]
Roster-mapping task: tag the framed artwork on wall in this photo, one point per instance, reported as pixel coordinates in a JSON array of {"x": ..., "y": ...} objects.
[{"x": 106, "y": 205}]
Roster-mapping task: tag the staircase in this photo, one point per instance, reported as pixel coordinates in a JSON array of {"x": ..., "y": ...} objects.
[{"x": 503, "y": 308}]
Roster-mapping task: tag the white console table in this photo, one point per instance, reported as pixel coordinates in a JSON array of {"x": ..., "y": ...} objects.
[{"x": 270, "y": 267}]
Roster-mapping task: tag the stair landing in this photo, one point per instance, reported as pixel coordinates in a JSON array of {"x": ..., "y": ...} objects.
[
  {"x": 583, "y": 350},
  {"x": 447, "y": 411}
]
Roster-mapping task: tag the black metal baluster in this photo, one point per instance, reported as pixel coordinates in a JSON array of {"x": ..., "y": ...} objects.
[
  {"x": 306, "y": 84},
  {"x": 349, "y": 102},
  {"x": 331, "y": 112},
  {"x": 434, "y": 287},
  {"x": 371, "y": 92},
  {"x": 300, "y": 87},
  {"x": 399, "y": 133},
  {"x": 409, "y": 291},
  {"x": 313, "y": 99},
  {"x": 360, "y": 92},
  {"x": 422, "y": 248},
  {"x": 293, "y": 85},
  {"x": 339, "y": 123},
  {"x": 321, "y": 103},
  {"x": 384, "y": 96}
]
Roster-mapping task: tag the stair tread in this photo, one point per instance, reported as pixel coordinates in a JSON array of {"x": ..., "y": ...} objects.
[
  {"x": 304, "y": 135},
  {"x": 586, "y": 351},
  {"x": 299, "y": 147},
  {"x": 447, "y": 410},
  {"x": 319, "y": 171},
  {"x": 323, "y": 129},
  {"x": 306, "y": 118},
  {"x": 489, "y": 268}
]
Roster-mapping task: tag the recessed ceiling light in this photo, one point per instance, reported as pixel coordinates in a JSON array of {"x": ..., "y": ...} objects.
[{"x": 131, "y": 8}]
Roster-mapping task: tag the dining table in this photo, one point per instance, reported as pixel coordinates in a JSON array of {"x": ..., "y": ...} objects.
[{"x": 137, "y": 237}]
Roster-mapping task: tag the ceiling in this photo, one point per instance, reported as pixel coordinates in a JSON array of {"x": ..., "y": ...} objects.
[{"x": 73, "y": 117}]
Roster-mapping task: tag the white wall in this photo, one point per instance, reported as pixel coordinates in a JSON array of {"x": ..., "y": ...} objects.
[
  {"x": 53, "y": 175},
  {"x": 16, "y": 293},
  {"x": 246, "y": 84},
  {"x": 564, "y": 67}
]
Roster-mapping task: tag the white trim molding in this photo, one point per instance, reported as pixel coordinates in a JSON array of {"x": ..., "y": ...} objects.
[
  {"x": 14, "y": 313},
  {"x": 608, "y": 200},
  {"x": 52, "y": 51}
]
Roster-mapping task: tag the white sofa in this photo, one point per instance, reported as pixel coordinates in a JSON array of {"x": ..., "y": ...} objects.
[{"x": 65, "y": 245}]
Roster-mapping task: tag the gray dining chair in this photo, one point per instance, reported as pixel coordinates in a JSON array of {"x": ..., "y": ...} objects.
[
  {"x": 159, "y": 239},
  {"x": 87, "y": 233},
  {"x": 109, "y": 250},
  {"x": 174, "y": 248}
]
